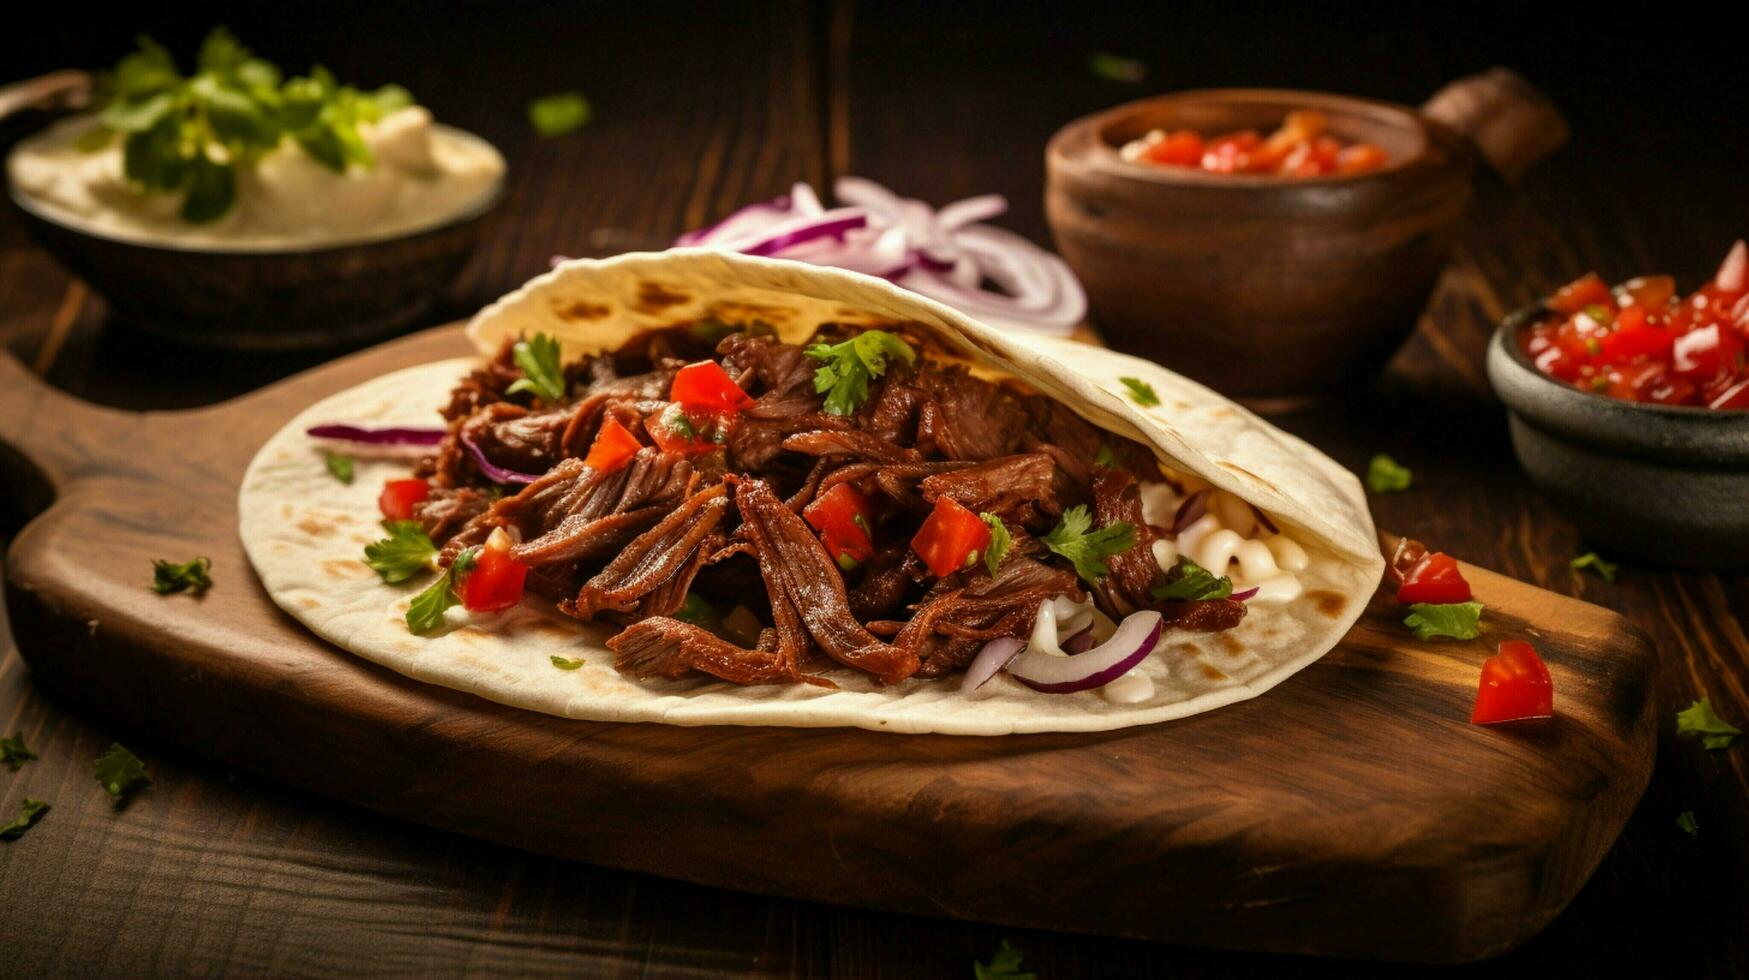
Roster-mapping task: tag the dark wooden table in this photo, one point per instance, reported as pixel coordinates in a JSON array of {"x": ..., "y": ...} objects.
[{"x": 210, "y": 871}]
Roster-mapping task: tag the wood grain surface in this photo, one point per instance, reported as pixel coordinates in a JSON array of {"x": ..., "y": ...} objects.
[{"x": 211, "y": 871}]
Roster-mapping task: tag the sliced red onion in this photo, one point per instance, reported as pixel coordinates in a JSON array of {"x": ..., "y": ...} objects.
[
  {"x": 819, "y": 228},
  {"x": 1191, "y": 510},
  {"x": 1081, "y": 642},
  {"x": 1129, "y": 645},
  {"x": 1733, "y": 273},
  {"x": 391, "y": 436},
  {"x": 1263, "y": 519},
  {"x": 992, "y": 658},
  {"x": 1248, "y": 593},
  {"x": 494, "y": 472}
]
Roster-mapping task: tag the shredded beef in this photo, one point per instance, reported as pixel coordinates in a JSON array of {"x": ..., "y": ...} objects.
[
  {"x": 659, "y": 557},
  {"x": 963, "y": 417},
  {"x": 663, "y": 647},
  {"x": 449, "y": 509},
  {"x": 1018, "y": 489}
]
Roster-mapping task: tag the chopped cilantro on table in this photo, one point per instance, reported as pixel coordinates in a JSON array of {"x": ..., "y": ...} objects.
[
  {"x": 848, "y": 367},
  {"x": 1190, "y": 581},
  {"x": 1698, "y": 721},
  {"x": 28, "y": 814},
  {"x": 190, "y": 576},
  {"x": 425, "y": 612},
  {"x": 542, "y": 372},
  {"x": 339, "y": 464},
  {"x": 1453, "y": 620},
  {"x": 1685, "y": 822},
  {"x": 1117, "y": 68},
  {"x": 14, "y": 753},
  {"x": 1000, "y": 541},
  {"x": 559, "y": 113},
  {"x": 1087, "y": 549},
  {"x": 565, "y": 664},
  {"x": 1005, "y": 965},
  {"x": 406, "y": 551},
  {"x": 1595, "y": 562},
  {"x": 1386, "y": 475},
  {"x": 1141, "y": 392},
  {"x": 120, "y": 772}
]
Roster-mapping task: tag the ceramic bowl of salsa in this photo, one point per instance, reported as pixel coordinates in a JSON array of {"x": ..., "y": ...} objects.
[
  {"x": 1629, "y": 407},
  {"x": 1299, "y": 275}
]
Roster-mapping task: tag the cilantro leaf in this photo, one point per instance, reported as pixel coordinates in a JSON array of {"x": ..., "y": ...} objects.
[
  {"x": 558, "y": 114},
  {"x": 1698, "y": 721},
  {"x": 120, "y": 772},
  {"x": 1005, "y": 965},
  {"x": 1385, "y": 475},
  {"x": 849, "y": 367},
  {"x": 1457, "y": 620},
  {"x": 338, "y": 464},
  {"x": 407, "y": 549},
  {"x": 1000, "y": 542},
  {"x": 14, "y": 752},
  {"x": 1190, "y": 581},
  {"x": 1141, "y": 392},
  {"x": 190, "y": 576},
  {"x": 564, "y": 664},
  {"x": 1685, "y": 823},
  {"x": 1085, "y": 549},
  {"x": 1116, "y": 68},
  {"x": 695, "y": 610},
  {"x": 1105, "y": 457},
  {"x": 542, "y": 373},
  {"x": 1595, "y": 562},
  {"x": 425, "y": 612},
  {"x": 28, "y": 814}
]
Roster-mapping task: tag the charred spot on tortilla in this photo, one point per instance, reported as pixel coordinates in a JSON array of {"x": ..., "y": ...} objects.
[
  {"x": 653, "y": 297},
  {"x": 1213, "y": 673},
  {"x": 1328, "y": 603},
  {"x": 346, "y": 568},
  {"x": 315, "y": 527},
  {"x": 1230, "y": 643},
  {"x": 572, "y": 310}
]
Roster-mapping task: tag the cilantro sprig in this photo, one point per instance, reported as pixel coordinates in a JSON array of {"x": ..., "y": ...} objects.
[
  {"x": 1595, "y": 562},
  {"x": 190, "y": 134},
  {"x": 1190, "y": 581},
  {"x": 1005, "y": 965},
  {"x": 1698, "y": 721},
  {"x": 405, "y": 552},
  {"x": 565, "y": 663},
  {"x": 191, "y": 576},
  {"x": 120, "y": 772},
  {"x": 1000, "y": 541},
  {"x": 1454, "y": 620},
  {"x": 1386, "y": 475},
  {"x": 1685, "y": 822},
  {"x": 340, "y": 465},
  {"x": 14, "y": 753},
  {"x": 1141, "y": 392},
  {"x": 848, "y": 367},
  {"x": 1087, "y": 549},
  {"x": 28, "y": 814},
  {"x": 542, "y": 372},
  {"x": 558, "y": 114},
  {"x": 425, "y": 612}
]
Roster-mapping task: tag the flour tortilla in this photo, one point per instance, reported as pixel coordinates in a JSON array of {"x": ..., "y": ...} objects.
[{"x": 304, "y": 531}]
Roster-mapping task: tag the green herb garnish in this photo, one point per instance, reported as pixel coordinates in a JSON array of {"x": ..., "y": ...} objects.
[
  {"x": 1085, "y": 549},
  {"x": 1685, "y": 823},
  {"x": 542, "y": 373},
  {"x": 406, "y": 551},
  {"x": 1189, "y": 581},
  {"x": 1141, "y": 392},
  {"x": 695, "y": 610},
  {"x": 338, "y": 464},
  {"x": 1117, "y": 68},
  {"x": 1595, "y": 562},
  {"x": 1457, "y": 620},
  {"x": 565, "y": 664},
  {"x": 1000, "y": 542},
  {"x": 28, "y": 814},
  {"x": 190, "y": 135},
  {"x": 1005, "y": 965},
  {"x": 851, "y": 365},
  {"x": 120, "y": 771},
  {"x": 14, "y": 753},
  {"x": 1105, "y": 457},
  {"x": 558, "y": 114},
  {"x": 190, "y": 576},
  {"x": 425, "y": 612},
  {"x": 1385, "y": 475},
  {"x": 1698, "y": 721}
]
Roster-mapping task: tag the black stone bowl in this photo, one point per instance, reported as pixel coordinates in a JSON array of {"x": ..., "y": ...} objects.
[
  {"x": 295, "y": 299},
  {"x": 1669, "y": 483}
]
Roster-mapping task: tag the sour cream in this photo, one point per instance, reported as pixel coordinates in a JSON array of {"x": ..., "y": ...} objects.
[
  {"x": 1228, "y": 540},
  {"x": 424, "y": 175}
]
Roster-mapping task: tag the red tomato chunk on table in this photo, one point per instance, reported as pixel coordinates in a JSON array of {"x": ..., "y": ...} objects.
[{"x": 1515, "y": 686}]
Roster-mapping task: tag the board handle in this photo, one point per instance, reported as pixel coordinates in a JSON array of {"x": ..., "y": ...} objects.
[
  {"x": 44, "y": 428},
  {"x": 1508, "y": 119}
]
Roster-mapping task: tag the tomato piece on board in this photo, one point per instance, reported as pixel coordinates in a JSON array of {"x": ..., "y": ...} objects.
[
  {"x": 1434, "y": 579},
  {"x": 614, "y": 447},
  {"x": 688, "y": 431},
  {"x": 398, "y": 497},
  {"x": 495, "y": 582},
  {"x": 1587, "y": 290},
  {"x": 1515, "y": 686},
  {"x": 951, "y": 538},
  {"x": 844, "y": 519},
  {"x": 707, "y": 385}
]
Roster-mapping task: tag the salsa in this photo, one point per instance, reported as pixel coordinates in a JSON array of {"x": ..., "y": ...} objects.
[
  {"x": 1640, "y": 341},
  {"x": 1300, "y": 148}
]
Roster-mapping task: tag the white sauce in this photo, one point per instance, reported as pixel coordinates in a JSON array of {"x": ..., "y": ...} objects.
[
  {"x": 1228, "y": 540},
  {"x": 1132, "y": 688},
  {"x": 424, "y": 174}
]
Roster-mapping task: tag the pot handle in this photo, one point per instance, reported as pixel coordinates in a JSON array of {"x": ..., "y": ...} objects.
[
  {"x": 69, "y": 88},
  {"x": 1508, "y": 120}
]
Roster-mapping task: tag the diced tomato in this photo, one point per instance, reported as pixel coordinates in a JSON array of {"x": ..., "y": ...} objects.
[
  {"x": 399, "y": 496},
  {"x": 1646, "y": 292},
  {"x": 1231, "y": 153},
  {"x": 1705, "y": 352},
  {"x": 1181, "y": 149},
  {"x": 495, "y": 582},
  {"x": 1360, "y": 158},
  {"x": 1587, "y": 290},
  {"x": 707, "y": 385},
  {"x": 688, "y": 431},
  {"x": 1635, "y": 337},
  {"x": 614, "y": 447},
  {"x": 951, "y": 538},
  {"x": 1515, "y": 686},
  {"x": 844, "y": 519},
  {"x": 1734, "y": 396},
  {"x": 1434, "y": 579}
]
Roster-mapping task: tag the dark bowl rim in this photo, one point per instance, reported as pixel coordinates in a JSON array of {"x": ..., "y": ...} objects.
[
  {"x": 476, "y": 209},
  {"x": 1100, "y": 120}
]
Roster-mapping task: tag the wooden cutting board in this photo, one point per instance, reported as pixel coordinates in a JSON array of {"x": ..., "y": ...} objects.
[{"x": 1351, "y": 811}]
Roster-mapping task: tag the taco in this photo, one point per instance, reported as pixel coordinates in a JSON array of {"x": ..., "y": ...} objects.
[{"x": 707, "y": 489}]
